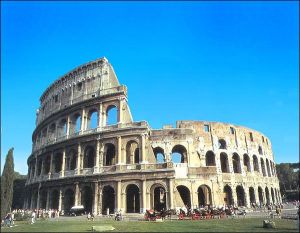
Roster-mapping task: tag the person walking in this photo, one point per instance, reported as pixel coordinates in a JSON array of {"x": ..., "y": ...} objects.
[{"x": 33, "y": 215}]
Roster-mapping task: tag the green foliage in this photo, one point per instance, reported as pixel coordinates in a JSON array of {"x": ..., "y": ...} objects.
[
  {"x": 288, "y": 175},
  {"x": 18, "y": 193},
  {"x": 19, "y": 217},
  {"x": 7, "y": 180}
]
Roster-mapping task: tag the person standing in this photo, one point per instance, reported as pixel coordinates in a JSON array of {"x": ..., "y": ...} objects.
[{"x": 33, "y": 215}]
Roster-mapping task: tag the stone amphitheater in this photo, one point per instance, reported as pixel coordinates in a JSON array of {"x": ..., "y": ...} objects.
[{"x": 87, "y": 150}]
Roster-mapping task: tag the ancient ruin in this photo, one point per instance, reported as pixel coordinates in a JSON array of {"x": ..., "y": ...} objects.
[{"x": 87, "y": 150}]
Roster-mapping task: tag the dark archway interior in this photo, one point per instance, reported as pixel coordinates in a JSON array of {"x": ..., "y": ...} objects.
[
  {"x": 110, "y": 154},
  {"x": 185, "y": 195},
  {"x": 57, "y": 162},
  {"x": 43, "y": 199},
  {"x": 228, "y": 195},
  {"x": 204, "y": 195},
  {"x": 133, "y": 199},
  {"x": 267, "y": 196},
  {"x": 224, "y": 163},
  {"x": 159, "y": 198},
  {"x": 260, "y": 195},
  {"x": 252, "y": 195},
  {"x": 89, "y": 158},
  {"x": 54, "y": 199},
  {"x": 87, "y": 199},
  {"x": 69, "y": 200},
  {"x": 108, "y": 200},
  {"x": 210, "y": 159},
  {"x": 240, "y": 194},
  {"x": 137, "y": 155}
]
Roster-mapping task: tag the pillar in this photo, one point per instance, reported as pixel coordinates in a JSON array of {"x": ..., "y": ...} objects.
[
  {"x": 77, "y": 194},
  {"x": 120, "y": 111},
  {"x": 78, "y": 158},
  {"x": 144, "y": 196},
  {"x": 35, "y": 170},
  {"x": 42, "y": 168},
  {"x": 171, "y": 194},
  {"x": 47, "y": 200},
  {"x": 247, "y": 196},
  {"x": 68, "y": 126},
  {"x": 119, "y": 153},
  {"x": 38, "y": 198},
  {"x": 51, "y": 163},
  {"x": 95, "y": 204},
  {"x": 63, "y": 163},
  {"x": 97, "y": 156},
  {"x": 234, "y": 196},
  {"x": 143, "y": 152},
  {"x": 60, "y": 204},
  {"x": 100, "y": 199},
  {"x": 82, "y": 123},
  {"x": 119, "y": 196},
  {"x": 100, "y": 117}
]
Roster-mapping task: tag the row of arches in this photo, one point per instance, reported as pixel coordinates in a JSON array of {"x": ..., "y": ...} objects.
[
  {"x": 76, "y": 124},
  {"x": 223, "y": 146}
]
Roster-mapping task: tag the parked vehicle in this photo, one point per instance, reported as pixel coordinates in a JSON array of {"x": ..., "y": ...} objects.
[{"x": 77, "y": 210}]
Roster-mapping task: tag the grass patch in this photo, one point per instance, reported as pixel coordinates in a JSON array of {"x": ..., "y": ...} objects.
[{"x": 214, "y": 225}]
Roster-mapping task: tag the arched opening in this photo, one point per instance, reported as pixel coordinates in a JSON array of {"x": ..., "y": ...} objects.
[
  {"x": 204, "y": 196},
  {"x": 252, "y": 195},
  {"x": 268, "y": 167},
  {"x": 75, "y": 123},
  {"x": 54, "y": 197},
  {"x": 267, "y": 196},
  {"x": 159, "y": 154},
  {"x": 47, "y": 164},
  {"x": 108, "y": 199},
  {"x": 132, "y": 152},
  {"x": 57, "y": 162},
  {"x": 228, "y": 199},
  {"x": 246, "y": 163},
  {"x": 109, "y": 154},
  {"x": 260, "y": 195},
  {"x": 72, "y": 159},
  {"x": 111, "y": 115},
  {"x": 260, "y": 150},
  {"x": 69, "y": 200},
  {"x": 272, "y": 195},
  {"x": 89, "y": 157},
  {"x": 210, "y": 158},
  {"x": 43, "y": 199},
  {"x": 39, "y": 167},
  {"x": 77, "y": 126},
  {"x": 184, "y": 193},
  {"x": 263, "y": 167},
  {"x": 255, "y": 163},
  {"x": 34, "y": 199},
  {"x": 222, "y": 144},
  {"x": 62, "y": 128},
  {"x": 158, "y": 198},
  {"x": 51, "y": 132},
  {"x": 236, "y": 163},
  {"x": 87, "y": 198},
  {"x": 179, "y": 154},
  {"x": 224, "y": 162},
  {"x": 240, "y": 194},
  {"x": 92, "y": 119},
  {"x": 132, "y": 199}
]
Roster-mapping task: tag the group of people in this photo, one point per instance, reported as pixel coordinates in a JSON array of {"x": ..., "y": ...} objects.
[{"x": 8, "y": 220}]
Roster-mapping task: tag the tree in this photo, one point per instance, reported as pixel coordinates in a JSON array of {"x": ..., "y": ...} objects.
[{"x": 7, "y": 180}]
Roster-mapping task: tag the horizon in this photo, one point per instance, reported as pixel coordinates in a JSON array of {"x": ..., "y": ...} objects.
[{"x": 231, "y": 62}]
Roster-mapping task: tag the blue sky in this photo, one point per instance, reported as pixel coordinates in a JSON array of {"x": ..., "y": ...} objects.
[{"x": 235, "y": 62}]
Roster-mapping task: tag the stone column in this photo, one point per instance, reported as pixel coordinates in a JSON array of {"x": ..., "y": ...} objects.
[
  {"x": 144, "y": 195},
  {"x": 95, "y": 204},
  {"x": 78, "y": 159},
  {"x": 51, "y": 163},
  {"x": 82, "y": 123},
  {"x": 247, "y": 196},
  {"x": 119, "y": 153},
  {"x": 38, "y": 197},
  {"x": 36, "y": 165},
  {"x": 42, "y": 168},
  {"x": 119, "y": 196},
  {"x": 77, "y": 193},
  {"x": 100, "y": 199},
  {"x": 171, "y": 194},
  {"x": 63, "y": 163},
  {"x": 143, "y": 152},
  {"x": 96, "y": 169},
  {"x": 60, "y": 200},
  {"x": 100, "y": 117},
  {"x": 68, "y": 126},
  {"x": 234, "y": 196},
  {"x": 120, "y": 111}
]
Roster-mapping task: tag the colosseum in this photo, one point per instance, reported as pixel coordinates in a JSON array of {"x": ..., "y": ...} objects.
[{"x": 87, "y": 150}]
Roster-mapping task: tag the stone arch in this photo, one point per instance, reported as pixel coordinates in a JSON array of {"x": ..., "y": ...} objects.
[
  {"x": 75, "y": 123},
  {"x": 158, "y": 197},
  {"x": 236, "y": 163},
  {"x": 263, "y": 169},
  {"x": 54, "y": 198},
  {"x": 47, "y": 162},
  {"x": 52, "y": 131},
  {"x": 89, "y": 157},
  {"x": 240, "y": 194},
  {"x": 43, "y": 198},
  {"x": 62, "y": 127},
  {"x": 69, "y": 200},
  {"x": 210, "y": 158},
  {"x": 228, "y": 198},
  {"x": 268, "y": 167},
  {"x": 185, "y": 195},
  {"x": 260, "y": 151},
  {"x": 222, "y": 144},
  {"x": 179, "y": 152},
  {"x": 159, "y": 154},
  {"x": 247, "y": 165},
  {"x": 57, "y": 160},
  {"x": 255, "y": 163},
  {"x": 72, "y": 159},
  {"x": 204, "y": 195},
  {"x": 108, "y": 199},
  {"x": 132, "y": 198},
  {"x": 132, "y": 152},
  {"x": 224, "y": 162},
  {"x": 260, "y": 195},
  {"x": 267, "y": 196},
  {"x": 111, "y": 114},
  {"x": 252, "y": 195},
  {"x": 92, "y": 118},
  {"x": 272, "y": 195},
  {"x": 87, "y": 198},
  {"x": 109, "y": 154}
]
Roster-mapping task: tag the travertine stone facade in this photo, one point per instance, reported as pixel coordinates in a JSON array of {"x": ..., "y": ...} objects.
[{"x": 87, "y": 150}]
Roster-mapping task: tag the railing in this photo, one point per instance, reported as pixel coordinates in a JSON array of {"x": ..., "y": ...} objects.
[
  {"x": 69, "y": 173},
  {"x": 87, "y": 171},
  {"x": 55, "y": 175},
  {"x": 202, "y": 170}
]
